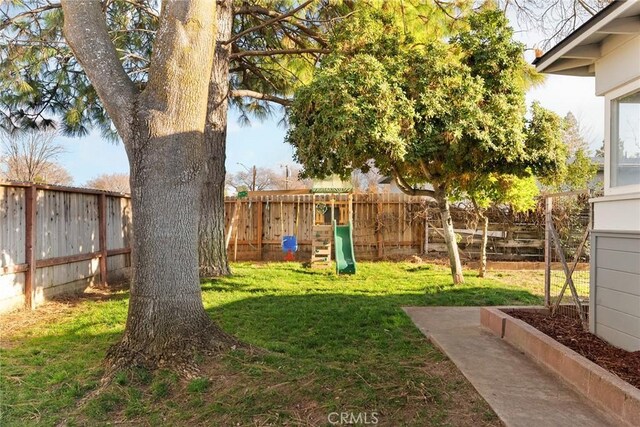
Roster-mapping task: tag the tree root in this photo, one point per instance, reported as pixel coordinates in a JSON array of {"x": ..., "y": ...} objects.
[
  {"x": 179, "y": 354},
  {"x": 208, "y": 272}
]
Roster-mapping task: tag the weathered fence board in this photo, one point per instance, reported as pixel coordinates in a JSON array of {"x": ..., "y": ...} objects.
[{"x": 50, "y": 241}]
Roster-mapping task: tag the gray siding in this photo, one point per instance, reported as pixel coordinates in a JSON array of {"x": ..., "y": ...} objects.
[{"x": 615, "y": 288}]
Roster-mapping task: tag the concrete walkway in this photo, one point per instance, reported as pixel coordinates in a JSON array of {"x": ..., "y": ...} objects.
[{"x": 518, "y": 390}]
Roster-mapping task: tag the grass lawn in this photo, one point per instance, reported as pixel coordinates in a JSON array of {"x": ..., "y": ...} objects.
[{"x": 333, "y": 344}]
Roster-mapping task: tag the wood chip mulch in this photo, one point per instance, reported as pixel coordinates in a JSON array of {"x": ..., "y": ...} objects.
[{"x": 569, "y": 332}]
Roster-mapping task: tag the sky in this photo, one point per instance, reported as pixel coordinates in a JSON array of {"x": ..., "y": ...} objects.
[{"x": 262, "y": 143}]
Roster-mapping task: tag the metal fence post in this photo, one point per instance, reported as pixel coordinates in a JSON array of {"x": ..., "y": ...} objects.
[{"x": 548, "y": 222}]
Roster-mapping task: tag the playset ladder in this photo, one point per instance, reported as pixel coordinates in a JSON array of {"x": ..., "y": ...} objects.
[{"x": 321, "y": 246}]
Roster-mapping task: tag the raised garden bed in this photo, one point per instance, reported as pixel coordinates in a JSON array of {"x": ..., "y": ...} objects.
[
  {"x": 606, "y": 390},
  {"x": 569, "y": 331}
]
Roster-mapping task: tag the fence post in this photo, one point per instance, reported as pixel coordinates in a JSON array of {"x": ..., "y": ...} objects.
[
  {"x": 548, "y": 222},
  {"x": 260, "y": 225},
  {"x": 102, "y": 237},
  {"x": 30, "y": 246},
  {"x": 425, "y": 248},
  {"x": 378, "y": 227}
]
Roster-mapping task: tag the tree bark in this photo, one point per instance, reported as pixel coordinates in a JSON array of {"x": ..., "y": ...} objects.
[
  {"x": 483, "y": 247},
  {"x": 449, "y": 235},
  {"x": 212, "y": 248},
  {"x": 163, "y": 131}
]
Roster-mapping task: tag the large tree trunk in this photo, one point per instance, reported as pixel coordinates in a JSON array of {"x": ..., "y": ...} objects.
[
  {"x": 166, "y": 319},
  {"x": 483, "y": 247},
  {"x": 449, "y": 235},
  {"x": 212, "y": 248},
  {"x": 163, "y": 132}
]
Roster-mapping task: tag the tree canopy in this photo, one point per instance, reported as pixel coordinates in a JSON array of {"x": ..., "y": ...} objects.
[
  {"x": 437, "y": 111},
  {"x": 275, "y": 45},
  {"x": 445, "y": 110}
]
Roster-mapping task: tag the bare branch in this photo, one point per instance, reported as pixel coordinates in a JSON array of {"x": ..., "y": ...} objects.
[
  {"x": 273, "y": 52},
  {"x": 115, "y": 182},
  {"x": 30, "y": 156},
  {"x": 406, "y": 188},
  {"x": 262, "y": 96}
]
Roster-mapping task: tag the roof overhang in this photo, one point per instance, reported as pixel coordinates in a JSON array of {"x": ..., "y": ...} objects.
[{"x": 577, "y": 54}]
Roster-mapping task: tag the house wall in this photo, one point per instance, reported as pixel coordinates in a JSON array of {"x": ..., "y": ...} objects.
[
  {"x": 620, "y": 63},
  {"x": 617, "y": 212},
  {"x": 617, "y": 74},
  {"x": 615, "y": 239},
  {"x": 615, "y": 288}
]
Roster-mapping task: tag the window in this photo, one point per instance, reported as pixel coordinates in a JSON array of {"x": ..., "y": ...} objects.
[{"x": 625, "y": 140}]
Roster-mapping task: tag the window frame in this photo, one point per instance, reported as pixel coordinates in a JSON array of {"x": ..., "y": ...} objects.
[{"x": 611, "y": 103}]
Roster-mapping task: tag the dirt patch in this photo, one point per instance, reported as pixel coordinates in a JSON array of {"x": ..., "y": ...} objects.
[
  {"x": 52, "y": 310},
  {"x": 569, "y": 332}
]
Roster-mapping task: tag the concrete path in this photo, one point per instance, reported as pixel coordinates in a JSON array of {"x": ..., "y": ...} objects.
[{"x": 518, "y": 390}]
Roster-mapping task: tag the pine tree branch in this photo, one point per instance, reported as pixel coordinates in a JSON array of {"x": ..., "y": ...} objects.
[
  {"x": 27, "y": 14},
  {"x": 254, "y": 10},
  {"x": 258, "y": 73},
  {"x": 238, "y": 93},
  {"x": 273, "y": 52},
  {"x": 85, "y": 29},
  {"x": 142, "y": 6},
  {"x": 269, "y": 22}
]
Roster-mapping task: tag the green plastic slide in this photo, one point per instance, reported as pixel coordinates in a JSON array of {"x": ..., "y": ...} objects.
[{"x": 345, "y": 258}]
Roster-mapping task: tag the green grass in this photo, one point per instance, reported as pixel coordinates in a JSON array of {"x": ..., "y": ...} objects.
[{"x": 332, "y": 344}]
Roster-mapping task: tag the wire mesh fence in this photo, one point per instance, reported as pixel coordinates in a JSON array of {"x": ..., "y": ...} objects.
[{"x": 567, "y": 253}]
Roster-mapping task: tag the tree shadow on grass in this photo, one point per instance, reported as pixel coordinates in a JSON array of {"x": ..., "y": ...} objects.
[
  {"x": 312, "y": 324},
  {"x": 340, "y": 348}
]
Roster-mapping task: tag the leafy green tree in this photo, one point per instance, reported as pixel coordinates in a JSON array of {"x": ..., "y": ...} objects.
[
  {"x": 437, "y": 111},
  {"x": 546, "y": 154},
  {"x": 580, "y": 170},
  {"x": 519, "y": 193}
]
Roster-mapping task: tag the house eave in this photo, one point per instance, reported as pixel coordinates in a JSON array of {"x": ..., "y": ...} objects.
[{"x": 577, "y": 54}]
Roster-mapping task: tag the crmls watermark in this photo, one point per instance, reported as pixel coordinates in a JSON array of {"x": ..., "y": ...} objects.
[{"x": 353, "y": 418}]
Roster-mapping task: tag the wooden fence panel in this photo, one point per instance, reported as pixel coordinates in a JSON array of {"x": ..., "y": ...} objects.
[
  {"x": 118, "y": 217},
  {"x": 12, "y": 245},
  {"x": 66, "y": 224},
  {"x": 12, "y": 222},
  {"x": 59, "y": 249},
  {"x": 385, "y": 226}
]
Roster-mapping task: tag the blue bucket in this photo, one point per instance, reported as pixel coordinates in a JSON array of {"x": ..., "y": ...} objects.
[{"x": 289, "y": 244}]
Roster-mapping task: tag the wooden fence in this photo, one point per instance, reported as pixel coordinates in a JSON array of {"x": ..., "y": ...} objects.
[
  {"x": 56, "y": 240},
  {"x": 385, "y": 226}
]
